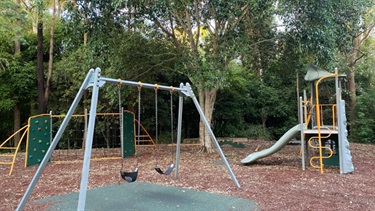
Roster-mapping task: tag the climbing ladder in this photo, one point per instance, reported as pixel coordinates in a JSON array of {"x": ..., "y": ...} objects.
[
  {"x": 145, "y": 138},
  {"x": 4, "y": 158}
]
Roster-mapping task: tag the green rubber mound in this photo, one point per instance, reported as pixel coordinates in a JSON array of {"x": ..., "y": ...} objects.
[
  {"x": 233, "y": 144},
  {"x": 146, "y": 196}
]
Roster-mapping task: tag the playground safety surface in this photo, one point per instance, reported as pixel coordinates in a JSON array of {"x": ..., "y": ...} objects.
[
  {"x": 276, "y": 182},
  {"x": 147, "y": 196}
]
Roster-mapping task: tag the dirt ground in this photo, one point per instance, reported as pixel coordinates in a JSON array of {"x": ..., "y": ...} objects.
[{"x": 275, "y": 183}]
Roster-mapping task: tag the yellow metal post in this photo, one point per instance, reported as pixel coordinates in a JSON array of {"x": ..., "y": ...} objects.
[{"x": 318, "y": 115}]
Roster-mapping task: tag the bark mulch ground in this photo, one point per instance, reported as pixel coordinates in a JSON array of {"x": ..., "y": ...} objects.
[{"x": 276, "y": 182}]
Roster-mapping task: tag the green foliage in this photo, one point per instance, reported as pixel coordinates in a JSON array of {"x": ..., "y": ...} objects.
[
  {"x": 364, "y": 125},
  {"x": 253, "y": 62},
  {"x": 363, "y": 129},
  {"x": 258, "y": 131},
  {"x": 11, "y": 14},
  {"x": 250, "y": 107},
  {"x": 17, "y": 78},
  {"x": 321, "y": 28}
]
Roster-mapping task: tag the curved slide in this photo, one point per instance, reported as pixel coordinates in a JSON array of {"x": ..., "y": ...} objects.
[{"x": 284, "y": 140}]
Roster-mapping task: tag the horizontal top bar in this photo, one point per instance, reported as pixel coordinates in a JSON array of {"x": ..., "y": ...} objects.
[{"x": 145, "y": 85}]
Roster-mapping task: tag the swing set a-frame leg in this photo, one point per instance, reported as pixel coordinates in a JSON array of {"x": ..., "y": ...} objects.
[
  {"x": 208, "y": 128},
  {"x": 89, "y": 138},
  {"x": 42, "y": 165}
]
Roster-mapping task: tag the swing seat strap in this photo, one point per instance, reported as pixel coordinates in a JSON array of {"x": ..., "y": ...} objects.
[
  {"x": 129, "y": 176},
  {"x": 167, "y": 172}
]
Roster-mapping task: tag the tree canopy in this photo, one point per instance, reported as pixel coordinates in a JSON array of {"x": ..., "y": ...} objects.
[{"x": 245, "y": 58}]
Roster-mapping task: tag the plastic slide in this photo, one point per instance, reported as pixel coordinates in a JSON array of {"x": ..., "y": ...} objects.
[{"x": 284, "y": 140}]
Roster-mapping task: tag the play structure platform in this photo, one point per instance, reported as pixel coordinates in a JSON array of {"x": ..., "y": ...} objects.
[{"x": 322, "y": 126}]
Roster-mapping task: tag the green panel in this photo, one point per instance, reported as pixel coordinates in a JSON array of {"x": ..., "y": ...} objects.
[
  {"x": 129, "y": 137},
  {"x": 332, "y": 143},
  {"x": 39, "y": 139}
]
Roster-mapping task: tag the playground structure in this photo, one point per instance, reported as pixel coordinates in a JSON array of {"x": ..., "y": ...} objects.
[
  {"x": 322, "y": 127},
  {"x": 39, "y": 133},
  {"x": 96, "y": 81}
]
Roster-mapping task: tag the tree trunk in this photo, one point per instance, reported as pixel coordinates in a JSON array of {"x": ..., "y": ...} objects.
[
  {"x": 353, "y": 95},
  {"x": 85, "y": 37},
  {"x": 17, "y": 46},
  {"x": 17, "y": 43},
  {"x": 16, "y": 109},
  {"x": 16, "y": 123},
  {"x": 59, "y": 9},
  {"x": 352, "y": 60},
  {"x": 50, "y": 62},
  {"x": 207, "y": 98},
  {"x": 40, "y": 69}
]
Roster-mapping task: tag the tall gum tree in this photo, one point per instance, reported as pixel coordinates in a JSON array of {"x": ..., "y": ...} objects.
[
  {"x": 354, "y": 55},
  {"x": 206, "y": 34},
  {"x": 16, "y": 108}
]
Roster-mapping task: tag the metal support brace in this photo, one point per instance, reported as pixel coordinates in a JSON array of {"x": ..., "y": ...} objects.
[
  {"x": 90, "y": 135},
  {"x": 179, "y": 129},
  {"x": 56, "y": 140}
]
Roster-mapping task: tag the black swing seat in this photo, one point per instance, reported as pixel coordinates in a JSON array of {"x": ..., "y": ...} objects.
[
  {"x": 167, "y": 172},
  {"x": 129, "y": 176}
]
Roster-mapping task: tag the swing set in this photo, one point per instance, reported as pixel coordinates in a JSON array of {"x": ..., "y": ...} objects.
[{"x": 95, "y": 81}]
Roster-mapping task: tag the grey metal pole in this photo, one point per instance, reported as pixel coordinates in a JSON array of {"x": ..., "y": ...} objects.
[
  {"x": 90, "y": 135},
  {"x": 179, "y": 129},
  {"x": 144, "y": 85},
  {"x": 192, "y": 95},
  {"x": 339, "y": 120},
  {"x": 86, "y": 123},
  {"x": 50, "y": 130},
  {"x": 59, "y": 133},
  {"x": 302, "y": 133}
]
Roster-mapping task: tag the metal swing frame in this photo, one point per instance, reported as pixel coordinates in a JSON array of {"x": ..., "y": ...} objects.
[{"x": 95, "y": 81}]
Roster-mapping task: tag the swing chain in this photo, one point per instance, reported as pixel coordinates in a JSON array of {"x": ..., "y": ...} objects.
[
  {"x": 121, "y": 123},
  {"x": 171, "y": 167},
  {"x": 156, "y": 123},
  {"x": 156, "y": 114},
  {"x": 139, "y": 113},
  {"x": 171, "y": 92}
]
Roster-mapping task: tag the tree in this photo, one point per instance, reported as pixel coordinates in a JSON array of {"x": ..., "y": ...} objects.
[
  {"x": 11, "y": 19},
  {"x": 362, "y": 129},
  {"x": 42, "y": 105},
  {"x": 355, "y": 54},
  {"x": 50, "y": 61},
  {"x": 208, "y": 36},
  {"x": 323, "y": 28}
]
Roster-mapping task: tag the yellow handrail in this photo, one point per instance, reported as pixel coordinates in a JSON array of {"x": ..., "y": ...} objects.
[
  {"x": 309, "y": 112},
  {"x": 18, "y": 147},
  {"x": 26, "y": 128},
  {"x": 318, "y": 118},
  {"x": 13, "y": 135}
]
